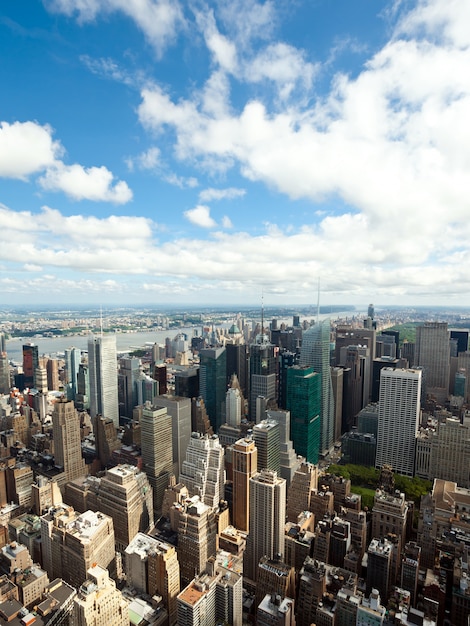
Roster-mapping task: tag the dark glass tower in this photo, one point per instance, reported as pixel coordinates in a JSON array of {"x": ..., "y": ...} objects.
[
  {"x": 304, "y": 404},
  {"x": 212, "y": 383}
]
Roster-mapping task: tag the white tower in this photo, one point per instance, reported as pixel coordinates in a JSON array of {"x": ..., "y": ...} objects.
[{"x": 398, "y": 422}]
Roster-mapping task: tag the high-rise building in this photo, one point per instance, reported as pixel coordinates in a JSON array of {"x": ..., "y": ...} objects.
[
  {"x": 289, "y": 461},
  {"x": 267, "y": 437},
  {"x": 4, "y": 373},
  {"x": 245, "y": 466},
  {"x": 197, "y": 536},
  {"x": 304, "y": 482},
  {"x": 304, "y": 403},
  {"x": 398, "y": 419},
  {"x": 315, "y": 352},
  {"x": 67, "y": 440},
  {"x": 379, "y": 566},
  {"x": 212, "y": 383},
  {"x": 102, "y": 366},
  {"x": 72, "y": 543},
  {"x": 152, "y": 568},
  {"x": 30, "y": 363},
  {"x": 73, "y": 357},
  {"x": 129, "y": 371},
  {"x": 123, "y": 493},
  {"x": 52, "y": 368},
  {"x": 432, "y": 352},
  {"x": 82, "y": 399},
  {"x": 203, "y": 470},
  {"x": 157, "y": 453},
  {"x": 262, "y": 374},
  {"x": 267, "y": 510},
  {"x": 233, "y": 407},
  {"x": 99, "y": 602},
  {"x": 238, "y": 363},
  {"x": 179, "y": 409}
]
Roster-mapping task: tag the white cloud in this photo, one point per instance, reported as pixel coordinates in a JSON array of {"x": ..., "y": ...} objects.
[
  {"x": 181, "y": 181},
  {"x": 86, "y": 183},
  {"x": 159, "y": 20},
  {"x": 147, "y": 160},
  {"x": 227, "y": 222},
  {"x": 200, "y": 216},
  {"x": 284, "y": 65},
  {"x": 207, "y": 195},
  {"x": 26, "y": 148}
]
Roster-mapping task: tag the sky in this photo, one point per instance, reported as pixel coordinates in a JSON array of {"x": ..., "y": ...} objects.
[{"x": 220, "y": 152}]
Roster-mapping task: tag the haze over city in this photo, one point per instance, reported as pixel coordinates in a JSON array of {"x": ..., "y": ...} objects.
[{"x": 193, "y": 152}]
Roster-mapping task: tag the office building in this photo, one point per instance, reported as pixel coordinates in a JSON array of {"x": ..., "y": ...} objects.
[
  {"x": 433, "y": 354},
  {"x": 179, "y": 409},
  {"x": 203, "y": 469},
  {"x": 152, "y": 568},
  {"x": 106, "y": 439},
  {"x": 262, "y": 374},
  {"x": 157, "y": 452},
  {"x": 299, "y": 494},
  {"x": 233, "y": 407},
  {"x": 304, "y": 403},
  {"x": 212, "y": 383},
  {"x": 370, "y": 610},
  {"x": 72, "y": 543},
  {"x": 30, "y": 363},
  {"x": 187, "y": 383},
  {"x": 98, "y": 602},
  {"x": 461, "y": 335},
  {"x": 123, "y": 493},
  {"x": 129, "y": 374},
  {"x": 4, "y": 374},
  {"x": 82, "y": 398},
  {"x": 102, "y": 366},
  {"x": 245, "y": 466},
  {"x": 410, "y": 570},
  {"x": 289, "y": 461},
  {"x": 337, "y": 385},
  {"x": 238, "y": 363},
  {"x": 398, "y": 419},
  {"x": 275, "y": 578},
  {"x": 67, "y": 440},
  {"x": 315, "y": 352},
  {"x": 287, "y": 360},
  {"x": 197, "y": 536},
  {"x": 52, "y": 368},
  {"x": 379, "y": 567},
  {"x": 267, "y": 510},
  {"x": 73, "y": 357},
  {"x": 267, "y": 437}
]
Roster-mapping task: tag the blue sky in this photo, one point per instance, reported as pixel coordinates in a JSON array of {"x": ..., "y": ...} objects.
[{"x": 157, "y": 151}]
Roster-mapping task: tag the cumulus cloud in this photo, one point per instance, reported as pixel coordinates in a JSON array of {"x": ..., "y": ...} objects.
[
  {"x": 26, "y": 148},
  {"x": 147, "y": 160},
  {"x": 159, "y": 20},
  {"x": 200, "y": 216},
  {"x": 86, "y": 183}
]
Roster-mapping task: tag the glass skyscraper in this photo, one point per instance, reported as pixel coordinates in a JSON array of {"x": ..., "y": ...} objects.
[
  {"x": 315, "y": 352},
  {"x": 102, "y": 365},
  {"x": 304, "y": 403}
]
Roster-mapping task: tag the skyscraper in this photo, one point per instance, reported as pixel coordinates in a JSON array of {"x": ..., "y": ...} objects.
[
  {"x": 203, "y": 470},
  {"x": 433, "y": 353},
  {"x": 67, "y": 440},
  {"x": 315, "y": 352},
  {"x": 157, "y": 454},
  {"x": 179, "y": 410},
  {"x": 73, "y": 357},
  {"x": 304, "y": 403},
  {"x": 262, "y": 374},
  {"x": 212, "y": 383},
  {"x": 103, "y": 377},
  {"x": 245, "y": 466},
  {"x": 398, "y": 419},
  {"x": 129, "y": 371},
  {"x": 267, "y": 511},
  {"x": 30, "y": 363}
]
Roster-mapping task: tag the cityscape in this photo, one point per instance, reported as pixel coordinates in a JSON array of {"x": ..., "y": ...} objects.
[
  {"x": 234, "y": 313},
  {"x": 236, "y": 469}
]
